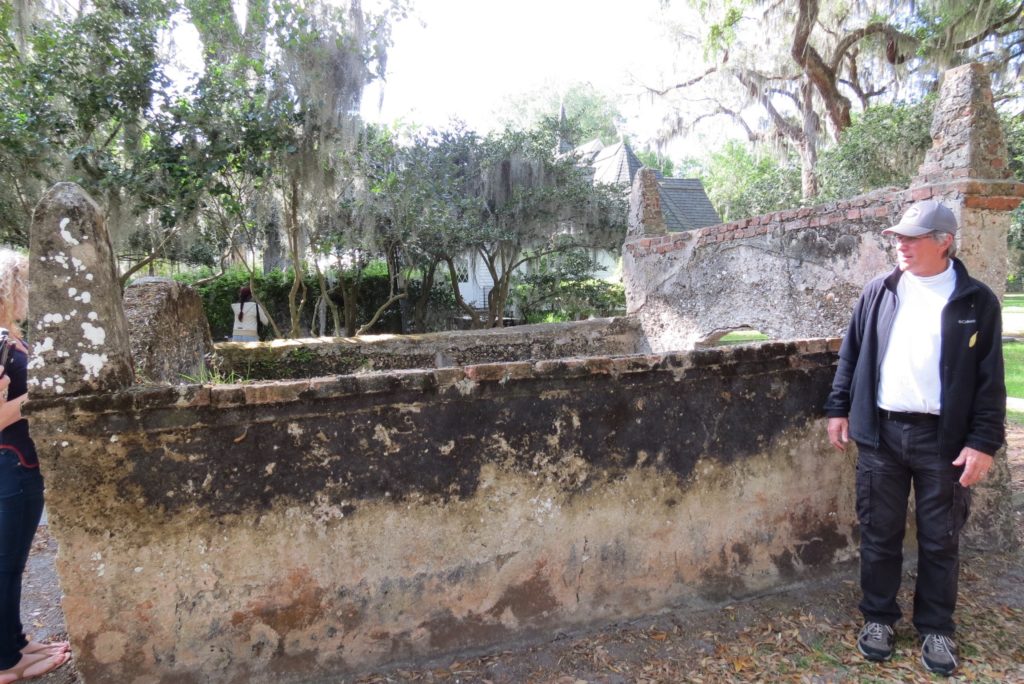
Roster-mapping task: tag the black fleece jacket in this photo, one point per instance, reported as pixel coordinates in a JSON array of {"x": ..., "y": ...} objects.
[{"x": 973, "y": 399}]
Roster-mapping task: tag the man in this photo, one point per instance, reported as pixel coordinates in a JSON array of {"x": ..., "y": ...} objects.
[{"x": 920, "y": 389}]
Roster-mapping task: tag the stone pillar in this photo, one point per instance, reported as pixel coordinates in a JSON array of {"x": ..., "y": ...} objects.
[
  {"x": 78, "y": 333},
  {"x": 967, "y": 169},
  {"x": 645, "y": 216}
]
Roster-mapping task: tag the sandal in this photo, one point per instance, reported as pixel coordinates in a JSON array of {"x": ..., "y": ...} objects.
[
  {"x": 32, "y": 666},
  {"x": 52, "y": 647}
]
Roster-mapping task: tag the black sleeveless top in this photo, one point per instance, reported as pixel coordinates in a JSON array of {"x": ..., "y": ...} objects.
[{"x": 15, "y": 436}]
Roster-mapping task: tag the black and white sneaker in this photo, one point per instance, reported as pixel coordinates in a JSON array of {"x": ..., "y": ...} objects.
[
  {"x": 939, "y": 654},
  {"x": 875, "y": 641}
]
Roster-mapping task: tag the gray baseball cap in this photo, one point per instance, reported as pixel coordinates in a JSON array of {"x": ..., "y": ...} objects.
[{"x": 927, "y": 216}]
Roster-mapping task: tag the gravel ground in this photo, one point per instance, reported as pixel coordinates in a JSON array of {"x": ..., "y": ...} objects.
[{"x": 805, "y": 635}]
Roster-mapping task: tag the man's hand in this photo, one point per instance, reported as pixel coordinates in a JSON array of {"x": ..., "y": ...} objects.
[
  {"x": 839, "y": 432},
  {"x": 976, "y": 465}
]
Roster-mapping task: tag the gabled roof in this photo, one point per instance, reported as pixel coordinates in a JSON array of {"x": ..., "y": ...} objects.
[
  {"x": 685, "y": 205},
  {"x": 612, "y": 164},
  {"x": 616, "y": 164}
]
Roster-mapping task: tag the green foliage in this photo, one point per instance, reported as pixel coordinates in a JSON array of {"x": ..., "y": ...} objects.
[
  {"x": 884, "y": 146},
  {"x": 741, "y": 183},
  {"x": 653, "y": 160},
  {"x": 272, "y": 290},
  {"x": 722, "y": 34},
  {"x": 75, "y": 94},
  {"x": 561, "y": 287},
  {"x": 589, "y": 112}
]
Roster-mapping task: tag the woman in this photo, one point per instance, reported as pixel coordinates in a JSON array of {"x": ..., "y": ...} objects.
[
  {"x": 248, "y": 315},
  {"x": 21, "y": 488}
]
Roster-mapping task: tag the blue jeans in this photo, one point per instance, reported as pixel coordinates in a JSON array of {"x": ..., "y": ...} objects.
[
  {"x": 908, "y": 454},
  {"x": 21, "y": 506}
]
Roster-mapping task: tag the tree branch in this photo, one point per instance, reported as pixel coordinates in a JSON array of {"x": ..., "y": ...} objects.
[
  {"x": 684, "y": 84},
  {"x": 819, "y": 73},
  {"x": 990, "y": 29}
]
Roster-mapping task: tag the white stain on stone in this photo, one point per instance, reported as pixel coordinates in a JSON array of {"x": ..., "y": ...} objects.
[
  {"x": 95, "y": 334},
  {"x": 92, "y": 316},
  {"x": 88, "y": 276},
  {"x": 53, "y": 318},
  {"x": 85, "y": 298},
  {"x": 38, "y": 349},
  {"x": 93, "y": 364},
  {"x": 72, "y": 291},
  {"x": 65, "y": 233},
  {"x": 77, "y": 263},
  {"x": 60, "y": 259}
]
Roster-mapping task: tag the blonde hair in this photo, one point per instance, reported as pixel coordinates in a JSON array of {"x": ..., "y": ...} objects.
[{"x": 13, "y": 287}]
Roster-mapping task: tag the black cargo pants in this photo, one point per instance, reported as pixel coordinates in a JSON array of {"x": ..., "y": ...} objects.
[{"x": 908, "y": 454}]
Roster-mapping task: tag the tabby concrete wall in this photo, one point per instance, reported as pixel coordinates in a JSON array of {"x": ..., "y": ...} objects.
[
  {"x": 798, "y": 273},
  {"x": 288, "y": 531},
  {"x": 310, "y": 358},
  {"x": 167, "y": 330}
]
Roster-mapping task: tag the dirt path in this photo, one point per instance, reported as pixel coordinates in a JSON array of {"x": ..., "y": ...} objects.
[{"x": 804, "y": 635}]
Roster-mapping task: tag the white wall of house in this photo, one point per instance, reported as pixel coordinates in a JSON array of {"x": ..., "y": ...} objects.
[{"x": 475, "y": 281}]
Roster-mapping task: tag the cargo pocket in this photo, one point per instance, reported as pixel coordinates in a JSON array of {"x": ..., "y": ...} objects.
[
  {"x": 864, "y": 497},
  {"x": 960, "y": 509}
]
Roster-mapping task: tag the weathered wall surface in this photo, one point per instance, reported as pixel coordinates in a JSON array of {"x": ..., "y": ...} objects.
[
  {"x": 312, "y": 358},
  {"x": 167, "y": 330},
  {"x": 79, "y": 334},
  {"x": 273, "y": 532},
  {"x": 798, "y": 273}
]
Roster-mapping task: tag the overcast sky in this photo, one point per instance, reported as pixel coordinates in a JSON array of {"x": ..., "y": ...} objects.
[{"x": 462, "y": 58}]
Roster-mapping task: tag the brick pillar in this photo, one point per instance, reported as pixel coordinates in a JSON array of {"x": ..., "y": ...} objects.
[
  {"x": 78, "y": 333},
  {"x": 645, "y": 217},
  {"x": 967, "y": 169}
]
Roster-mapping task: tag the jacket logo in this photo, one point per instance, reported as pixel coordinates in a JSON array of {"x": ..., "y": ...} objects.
[
  {"x": 973, "y": 341},
  {"x": 967, "y": 321}
]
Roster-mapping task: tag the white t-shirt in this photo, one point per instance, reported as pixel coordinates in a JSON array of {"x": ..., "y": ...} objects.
[
  {"x": 910, "y": 379},
  {"x": 247, "y": 326}
]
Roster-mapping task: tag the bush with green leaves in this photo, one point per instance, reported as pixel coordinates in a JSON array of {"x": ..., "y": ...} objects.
[
  {"x": 741, "y": 182},
  {"x": 272, "y": 290},
  {"x": 884, "y": 146},
  {"x": 561, "y": 287}
]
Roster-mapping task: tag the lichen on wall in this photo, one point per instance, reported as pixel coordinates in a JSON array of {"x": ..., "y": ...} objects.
[{"x": 80, "y": 336}]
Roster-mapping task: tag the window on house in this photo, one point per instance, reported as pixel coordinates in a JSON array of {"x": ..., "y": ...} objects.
[{"x": 462, "y": 272}]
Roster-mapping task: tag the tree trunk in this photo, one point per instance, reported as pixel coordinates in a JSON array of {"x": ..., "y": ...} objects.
[
  {"x": 420, "y": 310},
  {"x": 295, "y": 303},
  {"x": 808, "y": 144},
  {"x": 453, "y": 276},
  {"x": 350, "y": 301}
]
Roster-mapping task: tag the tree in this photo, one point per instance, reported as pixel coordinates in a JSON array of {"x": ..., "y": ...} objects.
[
  {"x": 742, "y": 183},
  {"x": 885, "y": 145},
  {"x": 835, "y": 54},
  {"x": 654, "y": 160},
  {"x": 591, "y": 113},
  {"x": 535, "y": 202},
  {"x": 76, "y": 93}
]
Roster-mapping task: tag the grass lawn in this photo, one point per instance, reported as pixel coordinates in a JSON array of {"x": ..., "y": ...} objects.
[
  {"x": 1013, "y": 302},
  {"x": 743, "y": 336},
  {"x": 1013, "y": 356}
]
